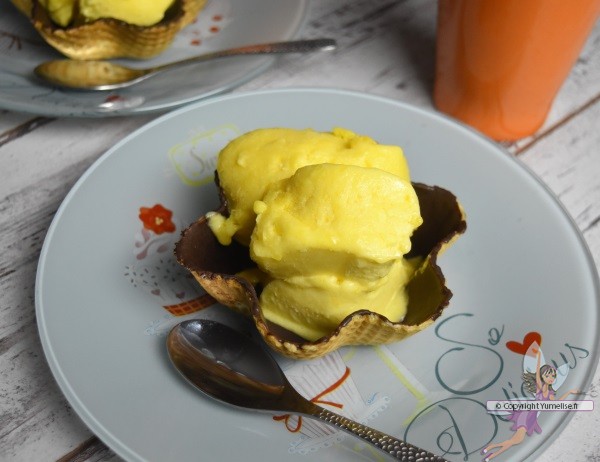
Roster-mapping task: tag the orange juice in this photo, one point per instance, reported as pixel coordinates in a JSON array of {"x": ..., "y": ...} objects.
[{"x": 500, "y": 63}]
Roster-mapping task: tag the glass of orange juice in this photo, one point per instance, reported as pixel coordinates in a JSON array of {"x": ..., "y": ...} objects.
[{"x": 500, "y": 63}]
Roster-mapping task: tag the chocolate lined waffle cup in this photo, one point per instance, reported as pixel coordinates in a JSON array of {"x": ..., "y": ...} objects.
[
  {"x": 215, "y": 267},
  {"x": 111, "y": 38}
]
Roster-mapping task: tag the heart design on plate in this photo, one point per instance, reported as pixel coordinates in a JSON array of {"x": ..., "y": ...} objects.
[{"x": 521, "y": 348}]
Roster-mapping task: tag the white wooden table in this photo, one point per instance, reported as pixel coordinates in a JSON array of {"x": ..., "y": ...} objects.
[{"x": 385, "y": 48}]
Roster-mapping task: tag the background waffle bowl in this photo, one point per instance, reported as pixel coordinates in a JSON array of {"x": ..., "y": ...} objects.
[
  {"x": 111, "y": 38},
  {"x": 215, "y": 267}
]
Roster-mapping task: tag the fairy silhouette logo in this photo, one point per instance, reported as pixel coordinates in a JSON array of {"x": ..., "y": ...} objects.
[{"x": 541, "y": 382}]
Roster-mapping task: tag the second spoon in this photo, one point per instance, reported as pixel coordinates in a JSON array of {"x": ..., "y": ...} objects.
[{"x": 104, "y": 75}]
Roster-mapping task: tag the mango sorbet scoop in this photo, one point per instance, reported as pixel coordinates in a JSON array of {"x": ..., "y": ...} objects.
[
  {"x": 323, "y": 240},
  {"x": 323, "y": 236}
]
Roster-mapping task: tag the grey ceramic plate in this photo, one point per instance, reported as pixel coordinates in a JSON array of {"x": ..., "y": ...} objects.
[
  {"x": 108, "y": 290},
  {"x": 222, "y": 24}
]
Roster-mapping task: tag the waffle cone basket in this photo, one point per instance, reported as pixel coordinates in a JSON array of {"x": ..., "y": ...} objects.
[
  {"x": 111, "y": 38},
  {"x": 215, "y": 266}
]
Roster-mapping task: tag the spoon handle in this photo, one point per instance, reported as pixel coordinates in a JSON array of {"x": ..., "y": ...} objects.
[
  {"x": 294, "y": 46},
  {"x": 396, "y": 448}
]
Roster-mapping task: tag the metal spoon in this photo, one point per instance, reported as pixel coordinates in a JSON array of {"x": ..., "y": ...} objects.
[
  {"x": 229, "y": 366},
  {"x": 104, "y": 75}
]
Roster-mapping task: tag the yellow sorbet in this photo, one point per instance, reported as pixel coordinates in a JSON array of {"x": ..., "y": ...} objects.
[
  {"x": 137, "y": 12},
  {"x": 336, "y": 219},
  {"x": 332, "y": 238},
  {"x": 60, "y": 11},
  {"x": 313, "y": 307},
  {"x": 251, "y": 162}
]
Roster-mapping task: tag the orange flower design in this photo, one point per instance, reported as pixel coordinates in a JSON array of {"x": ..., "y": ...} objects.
[
  {"x": 157, "y": 219},
  {"x": 317, "y": 400}
]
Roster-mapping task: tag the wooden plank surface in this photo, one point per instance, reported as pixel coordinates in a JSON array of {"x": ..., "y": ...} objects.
[{"x": 386, "y": 48}]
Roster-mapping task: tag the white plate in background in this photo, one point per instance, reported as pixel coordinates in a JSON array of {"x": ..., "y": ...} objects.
[{"x": 222, "y": 24}]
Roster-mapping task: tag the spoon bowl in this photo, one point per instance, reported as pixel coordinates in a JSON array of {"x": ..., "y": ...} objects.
[
  {"x": 232, "y": 368},
  {"x": 105, "y": 75}
]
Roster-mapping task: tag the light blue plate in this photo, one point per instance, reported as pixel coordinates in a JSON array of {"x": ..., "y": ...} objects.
[
  {"x": 106, "y": 282},
  {"x": 220, "y": 25}
]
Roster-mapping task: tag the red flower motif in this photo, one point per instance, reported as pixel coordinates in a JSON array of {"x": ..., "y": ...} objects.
[{"x": 157, "y": 219}]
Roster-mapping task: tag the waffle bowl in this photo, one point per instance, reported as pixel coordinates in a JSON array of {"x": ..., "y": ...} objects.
[
  {"x": 111, "y": 38},
  {"x": 216, "y": 266}
]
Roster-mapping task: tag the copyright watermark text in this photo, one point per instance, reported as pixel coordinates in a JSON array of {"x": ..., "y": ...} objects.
[{"x": 531, "y": 405}]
